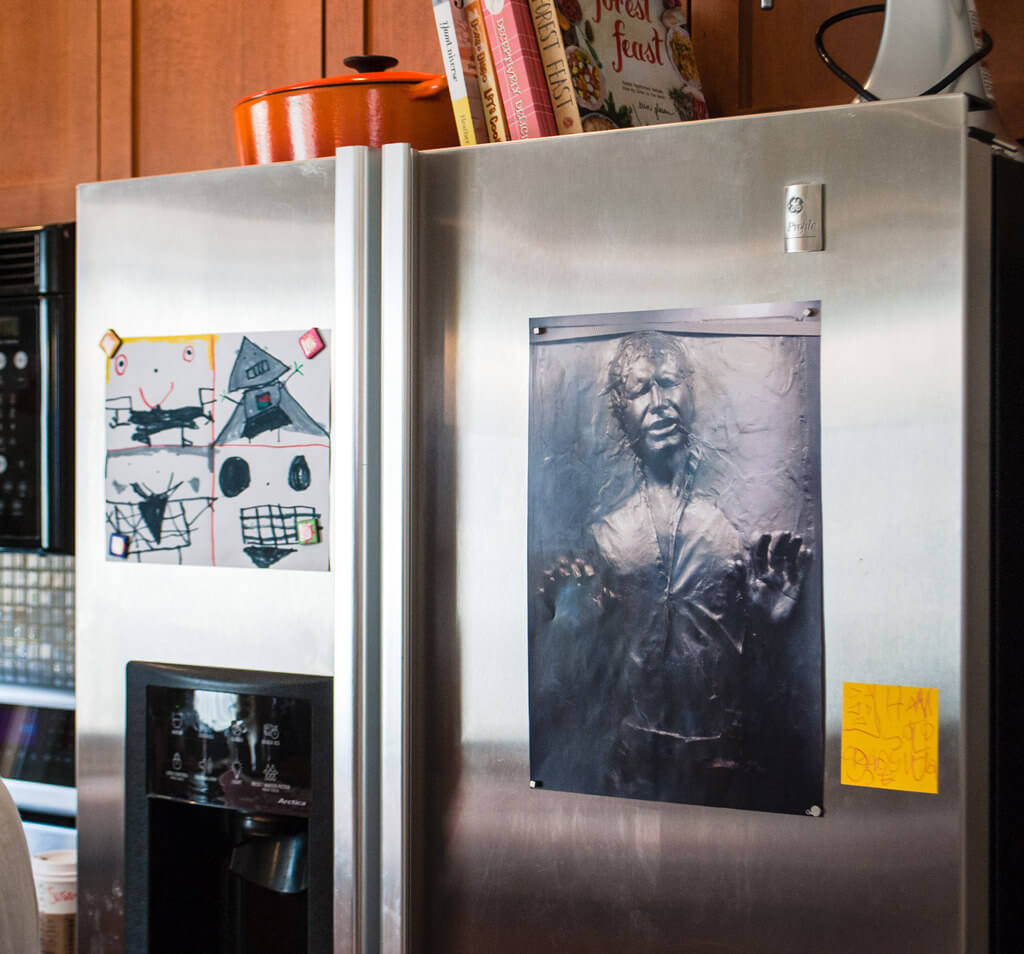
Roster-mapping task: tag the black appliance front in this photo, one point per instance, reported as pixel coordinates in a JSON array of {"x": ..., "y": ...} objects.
[
  {"x": 228, "y": 811},
  {"x": 37, "y": 744},
  {"x": 1006, "y": 825},
  {"x": 37, "y": 283}
]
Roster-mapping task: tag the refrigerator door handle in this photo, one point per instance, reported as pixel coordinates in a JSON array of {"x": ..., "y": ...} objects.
[{"x": 396, "y": 395}]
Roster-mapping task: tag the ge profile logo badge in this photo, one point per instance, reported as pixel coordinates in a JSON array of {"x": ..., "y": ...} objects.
[{"x": 803, "y": 217}]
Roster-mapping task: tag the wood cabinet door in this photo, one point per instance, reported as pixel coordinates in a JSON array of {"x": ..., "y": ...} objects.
[
  {"x": 48, "y": 110},
  {"x": 1004, "y": 22},
  {"x": 344, "y": 33},
  {"x": 193, "y": 60},
  {"x": 753, "y": 60},
  {"x": 405, "y": 29},
  {"x": 785, "y": 69}
]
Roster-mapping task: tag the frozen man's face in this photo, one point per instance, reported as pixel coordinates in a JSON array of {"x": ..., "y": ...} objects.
[{"x": 655, "y": 401}]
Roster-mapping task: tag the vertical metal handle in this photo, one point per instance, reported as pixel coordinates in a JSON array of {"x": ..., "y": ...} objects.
[
  {"x": 396, "y": 328},
  {"x": 357, "y": 303}
]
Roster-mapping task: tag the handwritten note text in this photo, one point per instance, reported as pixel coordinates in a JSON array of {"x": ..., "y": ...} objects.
[{"x": 891, "y": 737}]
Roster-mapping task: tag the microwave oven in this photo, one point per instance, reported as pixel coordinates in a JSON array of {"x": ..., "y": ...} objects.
[{"x": 37, "y": 283}]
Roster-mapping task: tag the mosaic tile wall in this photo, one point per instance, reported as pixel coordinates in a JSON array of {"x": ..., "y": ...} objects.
[{"x": 37, "y": 620}]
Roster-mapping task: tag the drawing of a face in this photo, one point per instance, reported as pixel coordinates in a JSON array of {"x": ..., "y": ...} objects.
[
  {"x": 264, "y": 493},
  {"x": 651, "y": 395},
  {"x": 161, "y": 374}
]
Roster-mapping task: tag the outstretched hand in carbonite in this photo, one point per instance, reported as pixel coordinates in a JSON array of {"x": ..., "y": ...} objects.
[
  {"x": 775, "y": 574},
  {"x": 573, "y": 589}
]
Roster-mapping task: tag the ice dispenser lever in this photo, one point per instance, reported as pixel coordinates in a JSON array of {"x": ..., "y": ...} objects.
[{"x": 271, "y": 856}]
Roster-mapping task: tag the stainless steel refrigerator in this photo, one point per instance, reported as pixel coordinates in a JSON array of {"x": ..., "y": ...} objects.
[
  {"x": 489, "y": 256},
  {"x": 530, "y": 749}
]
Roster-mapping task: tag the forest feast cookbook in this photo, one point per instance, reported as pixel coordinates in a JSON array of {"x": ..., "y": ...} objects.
[{"x": 632, "y": 62}]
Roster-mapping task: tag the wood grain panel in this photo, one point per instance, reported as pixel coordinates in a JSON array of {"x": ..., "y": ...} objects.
[
  {"x": 195, "y": 59},
  {"x": 1004, "y": 22},
  {"x": 405, "y": 29},
  {"x": 786, "y": 71},
  {"x": 345, "y": 34},
  {"x": 116, "y": 76},
  {"x": 48, "y": 63},
  {"x": 721, "y": 42}
]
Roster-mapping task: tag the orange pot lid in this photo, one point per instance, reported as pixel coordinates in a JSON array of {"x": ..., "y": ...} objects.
[{"x": 372, "y": 69}]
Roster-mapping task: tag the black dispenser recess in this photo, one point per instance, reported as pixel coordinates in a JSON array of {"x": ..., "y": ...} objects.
[{"x": 228, "y": 811}]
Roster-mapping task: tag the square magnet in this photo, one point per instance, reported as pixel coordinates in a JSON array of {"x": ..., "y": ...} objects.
[
  {"x": 308, "y": 530},
  {"x": 118, "y": 545},
  {"x": 311, "y": 343},
  {"x": 110, "y": 343}
]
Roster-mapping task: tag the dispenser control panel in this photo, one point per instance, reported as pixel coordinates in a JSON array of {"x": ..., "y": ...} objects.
[{"x": 251, "y": 753}]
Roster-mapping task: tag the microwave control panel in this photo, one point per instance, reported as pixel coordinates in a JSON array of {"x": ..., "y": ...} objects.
[
  {"x": 21, "y": 424},
  {"x": 37, "y": 388}
]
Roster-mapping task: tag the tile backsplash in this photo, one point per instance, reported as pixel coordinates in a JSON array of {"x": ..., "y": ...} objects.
[{"x": 37, "y": 620}]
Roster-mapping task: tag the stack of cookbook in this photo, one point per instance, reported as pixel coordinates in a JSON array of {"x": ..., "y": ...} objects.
[{"x": 521, "y": 69}]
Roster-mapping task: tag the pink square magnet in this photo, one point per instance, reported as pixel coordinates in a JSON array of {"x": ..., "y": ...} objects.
[{"x": 311, "y": 343}]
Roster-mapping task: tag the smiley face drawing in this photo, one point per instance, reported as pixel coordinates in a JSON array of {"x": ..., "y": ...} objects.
[{"x": 159, "y": 386}]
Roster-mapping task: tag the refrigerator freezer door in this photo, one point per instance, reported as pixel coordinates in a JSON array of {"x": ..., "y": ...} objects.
[
  {"x": 475, "y": 244},
  {"x": 256, "y": 249}
]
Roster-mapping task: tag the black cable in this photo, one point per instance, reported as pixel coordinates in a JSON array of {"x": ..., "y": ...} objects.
[
  {"x": 819, "y": 45},
  {"x": 976, "y": 56},
  {"x": 826, "y": 58}
]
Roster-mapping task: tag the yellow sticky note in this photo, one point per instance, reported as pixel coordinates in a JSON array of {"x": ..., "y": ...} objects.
[{"x": 891, "y": 737}]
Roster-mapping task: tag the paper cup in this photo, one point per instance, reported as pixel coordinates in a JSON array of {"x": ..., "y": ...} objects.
[{"x": 56, "y": 877}]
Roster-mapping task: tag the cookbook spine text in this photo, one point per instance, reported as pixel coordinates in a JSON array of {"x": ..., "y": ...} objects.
[
  {"x": 460, "y": 69},
  {"x": 490, "y": 93},
  {"x": 524, "y": 90},
  {"x": 556, "y": 66}
]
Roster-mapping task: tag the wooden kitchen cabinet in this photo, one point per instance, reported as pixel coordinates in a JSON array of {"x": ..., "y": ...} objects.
[
  {"x": 48, "y": 110},
  {"x": 785, "y": 69},
  {"x": 195, "y": 60},
  {"x": 406, "y": 30},
  {"x": 192, "y": 61},
  {"x": 1005, "y": 23},
  {"x": 753, "y": 60}
]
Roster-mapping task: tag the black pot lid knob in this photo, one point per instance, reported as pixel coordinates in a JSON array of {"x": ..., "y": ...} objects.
[{"x": 371, "y": 63}]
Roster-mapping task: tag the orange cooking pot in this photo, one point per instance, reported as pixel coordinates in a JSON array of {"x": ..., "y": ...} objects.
[{"x": 370, "y": 107}]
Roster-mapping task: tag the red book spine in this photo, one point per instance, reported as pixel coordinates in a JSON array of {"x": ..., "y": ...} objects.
[{"x": 524, "y": 88}]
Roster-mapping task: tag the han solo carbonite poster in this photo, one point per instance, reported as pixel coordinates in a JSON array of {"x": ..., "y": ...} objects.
[{"x": 674, "y": 556}]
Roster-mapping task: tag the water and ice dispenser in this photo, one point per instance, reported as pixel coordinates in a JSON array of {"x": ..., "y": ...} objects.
[{"x": 228, "y": 804}]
